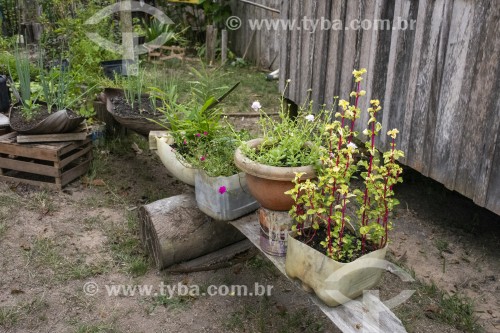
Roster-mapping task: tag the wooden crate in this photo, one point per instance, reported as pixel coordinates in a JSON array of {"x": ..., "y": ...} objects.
[{"x": 49, "y": 165}]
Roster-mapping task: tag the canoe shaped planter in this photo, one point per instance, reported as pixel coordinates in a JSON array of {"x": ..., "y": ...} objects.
[
  {"x": 56, "y": 122},
  {"x": 178, "y": 169},
  {"x": 333, "y": 282},
  {"x": 224, "y": 198},
  {"x": 137, "y": 122},
  {"x": 268, "y": 184}
]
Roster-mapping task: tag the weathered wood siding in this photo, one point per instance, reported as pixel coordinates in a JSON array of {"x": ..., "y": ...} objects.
[
  {"x": 439, "y": 83},
  {"x": 263, "y": 45}
]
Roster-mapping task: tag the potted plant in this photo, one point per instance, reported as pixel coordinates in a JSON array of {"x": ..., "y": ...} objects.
[
  {"x": 132, "y": 106},
  {"x": 43, "y": 108},
  {"x": 187, "y": 120},
  {"x": 288, "y": 146},
  {"x": 221, "y": 190},
  {"x": 341, "y": 225}
]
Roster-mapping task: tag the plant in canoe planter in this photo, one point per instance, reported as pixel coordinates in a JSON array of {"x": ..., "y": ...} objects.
[
  {"x": 341, "y": 225},
  {"x": 185, "y": 119},
  {"x": 43, "y": 108},
  {"x": 287, "y": 146},
  {"x": 131, "y": 106}
]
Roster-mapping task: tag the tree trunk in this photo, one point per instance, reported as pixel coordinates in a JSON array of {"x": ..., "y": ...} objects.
[{"x": 175, "y": 230}]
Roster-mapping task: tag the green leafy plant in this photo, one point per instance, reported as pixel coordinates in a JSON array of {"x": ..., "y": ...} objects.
[
  {"x": 288, "y": 141},
  {"x": 154, "y": 29},
  {"x": 214, "y": 152},
  {"x": 196, "y": 124},
  {"x": 216, "y": 11},
  {"x": 29, "y": 107},
  {"x": 323, "y": 205},
  {"x": 133, "y": 88}
]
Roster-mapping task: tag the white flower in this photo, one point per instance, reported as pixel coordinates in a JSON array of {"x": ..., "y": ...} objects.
[
  {"x": 310, "y": 117},
  {"x": 352, "y": 145},
  {"x": 256, "y": 106}
]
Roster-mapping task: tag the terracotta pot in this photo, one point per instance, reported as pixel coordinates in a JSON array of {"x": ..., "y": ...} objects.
[
  {"x": 333, "y": 282},
  {"x": 268, "y": 184}
]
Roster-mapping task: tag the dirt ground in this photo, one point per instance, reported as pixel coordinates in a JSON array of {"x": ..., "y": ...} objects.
[{"x": 54, "y": 244}]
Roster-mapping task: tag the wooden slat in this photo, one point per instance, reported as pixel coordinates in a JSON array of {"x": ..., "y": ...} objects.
[
  {"x": 28, "y": 151},
  {"x": 73, "y": 157},
  {"x": 398, "y": 71},
  {"x": 451, "y": 113},
  {"x": 69, "y": 146},
  {"x": 367, "y": 314},
  {"x": 334, "y": 59},
  {"x": 29, "y": 182},
  {"x": 63, "y": 137},
  {"x": 75, "y": 172},
  {"x": 320, "y": 53},
  {"x": 295, "y": 54},
  {"x": 39, "y": 169},
  {"x": 285, "y": 51},
  {"x": 481, "y": 126}
]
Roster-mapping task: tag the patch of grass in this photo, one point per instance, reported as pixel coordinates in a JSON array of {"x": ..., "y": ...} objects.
[
  {"x": 7, "y": 200},
  {"x": 171, "y": 303},
  {"x": 259, "y": 263},
  {"x": 442, "y": 246},
  {"x": 126, "y": 246},
  {"x": 45, "y": 253},
  {"x": 263, "y": 318},
  {"x": 458, "y": 310},
  {"x": 3, "y": 228},
  {"x": 454, "y": 310},
  {"x": 96, "y": 328},
  {"x": 9, "y": 315},
  {"x": 98, "y": 166},
  {"x": 91, "y": 222},
  {"x": 42, "y": 202},
  {"x": 79, "y": 270}
]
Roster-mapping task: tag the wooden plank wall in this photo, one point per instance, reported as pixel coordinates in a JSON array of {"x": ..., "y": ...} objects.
[
  {"x": 264, "y": 44},
  {"x": 439, "y": 83}
]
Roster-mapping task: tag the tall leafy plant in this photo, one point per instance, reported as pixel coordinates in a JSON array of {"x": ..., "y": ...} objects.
[
  {"x": 29, "y": 106},
  {"x": 325, "y": 205}
]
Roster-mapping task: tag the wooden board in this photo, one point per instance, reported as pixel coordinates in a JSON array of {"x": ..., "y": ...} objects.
[
  {"x": 366, "y": 314},
  {"x": 61, "y": 137}
]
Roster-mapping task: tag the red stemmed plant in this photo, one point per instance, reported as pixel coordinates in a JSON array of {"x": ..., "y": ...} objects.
[{"x": 353, "y": 215}]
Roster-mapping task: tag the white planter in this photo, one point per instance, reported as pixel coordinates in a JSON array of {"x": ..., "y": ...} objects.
[
  {"x": 179, "y": 170},
  {"x": 333, "y": 282},
  {"x": 237, "y": 201}
]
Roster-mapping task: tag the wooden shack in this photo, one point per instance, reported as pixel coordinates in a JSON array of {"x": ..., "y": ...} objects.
[{"x": 439, "y": 81}]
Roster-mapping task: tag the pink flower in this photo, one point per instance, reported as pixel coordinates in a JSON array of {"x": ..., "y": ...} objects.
[
  {"x": 198, "y": 134},
  {"x": 205, "y": 133},
  {"x": 185, "y": 142},
  {"x": 222, "y": 190},
  {"x": 202, "y": 158}
]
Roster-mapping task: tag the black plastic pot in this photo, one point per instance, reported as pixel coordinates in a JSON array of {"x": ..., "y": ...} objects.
[
  {"x": 114, "y": 68},
  {"x": 4, "y": 94}
]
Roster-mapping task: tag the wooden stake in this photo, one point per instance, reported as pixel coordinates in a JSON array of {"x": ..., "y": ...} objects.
[
  {"x": 224, "y": 47},
  {"x": 211, "y": 43}
]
